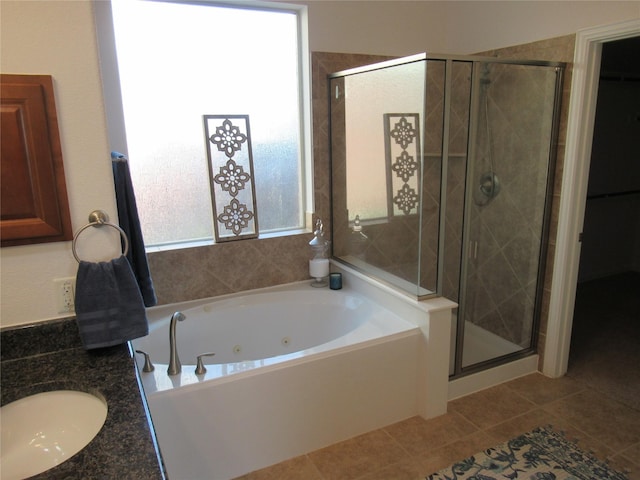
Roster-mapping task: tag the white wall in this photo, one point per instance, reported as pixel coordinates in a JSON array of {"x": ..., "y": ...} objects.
[
  {"x": 463, "y": 27},
  {"x": 58, "y": 38},
  {"x": 481, "y": 26}
]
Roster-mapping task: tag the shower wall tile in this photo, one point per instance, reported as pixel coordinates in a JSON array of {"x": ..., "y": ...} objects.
[
  {"x": 544, "y": 312},
  {"x": 519, "y": 305},
  {"x": 548, "y": 274},
  {"x": 517, "y": 251},
  {"x": 201, "y": 272},
  {"x": 553, "y": 221},
  {"x": 542, "y": 339},
  {"x": 559, "y": 172}
]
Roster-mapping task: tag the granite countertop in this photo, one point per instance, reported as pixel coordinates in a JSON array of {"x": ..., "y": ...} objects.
[{"x": 49, "y": 356}]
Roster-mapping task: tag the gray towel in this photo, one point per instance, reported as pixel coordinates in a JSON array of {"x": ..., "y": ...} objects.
[
  {"x": 130, "y": 223},
  {"x": 109, "y": 306}
]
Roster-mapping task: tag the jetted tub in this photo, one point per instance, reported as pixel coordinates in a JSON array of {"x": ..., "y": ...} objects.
[{"x": 295, "y": 369}]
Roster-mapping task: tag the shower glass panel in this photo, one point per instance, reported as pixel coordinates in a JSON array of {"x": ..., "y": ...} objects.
[
  {"x": 441, "y": 184},
  {"x": 377, "y": 123}
]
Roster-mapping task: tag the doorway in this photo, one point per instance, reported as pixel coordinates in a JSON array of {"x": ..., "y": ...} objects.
[
  {"x": 582, "y": 108},
  {"x": 606, "y": 333}
]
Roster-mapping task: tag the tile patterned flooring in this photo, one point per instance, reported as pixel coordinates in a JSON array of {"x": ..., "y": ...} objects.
[
  {"x": 414, "y": 448},
  {"x": 601, "y": 418}
]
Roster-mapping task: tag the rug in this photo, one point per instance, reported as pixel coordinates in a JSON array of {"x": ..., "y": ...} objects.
[{"x": 541, "y": 454}]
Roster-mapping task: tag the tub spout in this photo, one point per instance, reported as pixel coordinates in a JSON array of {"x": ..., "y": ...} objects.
[{"x": 174, "y": 361}]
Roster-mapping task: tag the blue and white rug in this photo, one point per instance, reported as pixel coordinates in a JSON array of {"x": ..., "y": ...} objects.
[{"x": 541, "y": 454}]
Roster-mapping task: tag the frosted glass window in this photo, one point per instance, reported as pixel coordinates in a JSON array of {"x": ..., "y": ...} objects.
[{"x": 178, "y": 62}]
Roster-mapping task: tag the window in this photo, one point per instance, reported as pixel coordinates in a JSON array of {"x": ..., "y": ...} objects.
[{"x": 180, "y": 61}]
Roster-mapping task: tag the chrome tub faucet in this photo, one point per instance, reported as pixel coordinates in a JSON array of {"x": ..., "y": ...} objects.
[{"x": 174, "y": 361}]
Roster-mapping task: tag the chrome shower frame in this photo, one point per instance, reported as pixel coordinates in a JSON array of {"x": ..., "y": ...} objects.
[{"x": 468, "y": 249}]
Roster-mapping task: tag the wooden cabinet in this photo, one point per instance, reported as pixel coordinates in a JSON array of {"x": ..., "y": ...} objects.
[{"x": 33, "y": 203}]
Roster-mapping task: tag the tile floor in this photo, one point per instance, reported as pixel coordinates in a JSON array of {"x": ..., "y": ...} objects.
[
  {"x": 414, "y": 448},
  {"x": 601, "y": 417}
]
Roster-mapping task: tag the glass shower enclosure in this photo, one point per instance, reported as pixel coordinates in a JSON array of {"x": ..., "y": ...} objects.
[{"x": 441, "y": 177}]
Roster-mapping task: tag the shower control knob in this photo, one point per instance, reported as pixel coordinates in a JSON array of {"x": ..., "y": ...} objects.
[{"x": 148, "y": 366}]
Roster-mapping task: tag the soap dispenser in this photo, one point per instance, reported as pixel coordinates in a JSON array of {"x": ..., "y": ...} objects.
[
  {"x": 319, "y": 261},
  {"x": 358, "y": 239}
]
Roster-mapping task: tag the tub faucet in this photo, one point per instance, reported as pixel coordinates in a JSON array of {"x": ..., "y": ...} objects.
[{"x": 174, "y": 361}]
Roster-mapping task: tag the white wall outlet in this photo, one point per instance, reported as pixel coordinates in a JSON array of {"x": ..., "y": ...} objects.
[{"x": 65, "y": 294}]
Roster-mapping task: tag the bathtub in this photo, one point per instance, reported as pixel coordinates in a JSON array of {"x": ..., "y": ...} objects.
[{"x": 295, "y": 369}]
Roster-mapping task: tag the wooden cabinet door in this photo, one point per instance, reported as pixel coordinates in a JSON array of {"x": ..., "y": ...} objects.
[{"x": 33, "y": 193}]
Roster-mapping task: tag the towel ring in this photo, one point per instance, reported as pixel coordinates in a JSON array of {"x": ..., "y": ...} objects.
[{"x": 98, "y": 218}]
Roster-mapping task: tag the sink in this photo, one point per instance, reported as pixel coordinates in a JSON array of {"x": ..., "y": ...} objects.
[{"x": 46, "y": 429}]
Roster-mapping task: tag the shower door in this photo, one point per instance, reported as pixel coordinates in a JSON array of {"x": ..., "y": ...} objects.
[{"x": 506, "y": 206}]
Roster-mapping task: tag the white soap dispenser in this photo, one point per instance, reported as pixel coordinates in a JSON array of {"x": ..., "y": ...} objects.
[{"x": 319, "y": 261}]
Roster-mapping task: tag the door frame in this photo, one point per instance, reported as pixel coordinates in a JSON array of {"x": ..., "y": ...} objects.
[{"x": 573, "y": 198}]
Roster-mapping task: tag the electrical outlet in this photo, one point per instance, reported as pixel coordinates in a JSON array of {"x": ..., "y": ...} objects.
[{"x": 65, "y": 294}]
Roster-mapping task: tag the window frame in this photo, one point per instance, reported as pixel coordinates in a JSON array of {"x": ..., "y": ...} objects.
[{"x": 114, "y": 113}]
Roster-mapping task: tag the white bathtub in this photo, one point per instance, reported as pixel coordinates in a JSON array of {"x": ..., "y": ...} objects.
[{"x": 296, "y": 368}]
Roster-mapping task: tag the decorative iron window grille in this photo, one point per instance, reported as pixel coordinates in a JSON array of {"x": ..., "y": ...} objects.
[{"x": 230, "y": 160}]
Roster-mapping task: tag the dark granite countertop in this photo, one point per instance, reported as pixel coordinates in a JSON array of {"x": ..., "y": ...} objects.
[{"x": 49, "y": 356}]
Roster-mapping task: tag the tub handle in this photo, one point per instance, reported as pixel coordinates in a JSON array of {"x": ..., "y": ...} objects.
[
  {"x": 148, "y": 366},
  {"x": 200, "y": 368}
]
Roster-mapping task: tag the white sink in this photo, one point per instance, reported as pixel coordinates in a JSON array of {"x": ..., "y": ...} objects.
[{"x": 46, "y": 429}]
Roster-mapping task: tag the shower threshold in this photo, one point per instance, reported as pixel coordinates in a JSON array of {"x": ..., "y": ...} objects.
[{"x": 481, "y": 345}]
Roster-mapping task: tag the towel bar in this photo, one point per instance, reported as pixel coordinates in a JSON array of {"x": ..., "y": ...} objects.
[{"x": 98, "y": 218}]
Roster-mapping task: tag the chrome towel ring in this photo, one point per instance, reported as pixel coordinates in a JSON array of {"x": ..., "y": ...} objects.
[{"x": 99, "y": 218}]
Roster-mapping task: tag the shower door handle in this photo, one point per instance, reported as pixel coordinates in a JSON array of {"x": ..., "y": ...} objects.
[{"x": 473, "y": 249}]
